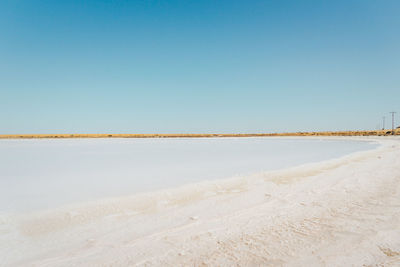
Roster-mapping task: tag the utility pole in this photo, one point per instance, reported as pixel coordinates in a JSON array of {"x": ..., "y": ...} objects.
[
  {"x": 392, "y": 121},
  {"x": 383, "y": 124}
]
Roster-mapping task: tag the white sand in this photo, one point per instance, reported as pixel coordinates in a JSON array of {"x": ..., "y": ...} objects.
[{"x": 342, "y": 212}]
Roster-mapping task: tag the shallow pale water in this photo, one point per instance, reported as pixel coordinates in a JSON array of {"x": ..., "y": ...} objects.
[{"x": 46, "y": 173}]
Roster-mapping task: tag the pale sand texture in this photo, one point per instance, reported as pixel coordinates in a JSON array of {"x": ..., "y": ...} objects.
[{"x": 342, "y": 212}]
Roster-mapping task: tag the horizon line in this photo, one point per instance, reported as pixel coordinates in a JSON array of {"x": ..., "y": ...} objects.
[{"x": 199, "y": 135}]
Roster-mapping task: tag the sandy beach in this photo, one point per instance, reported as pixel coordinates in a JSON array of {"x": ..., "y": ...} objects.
[{"x": 339, "y": 212}]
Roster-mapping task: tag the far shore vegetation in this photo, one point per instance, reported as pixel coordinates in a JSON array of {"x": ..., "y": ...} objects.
[{"x": 333, "y": 133}]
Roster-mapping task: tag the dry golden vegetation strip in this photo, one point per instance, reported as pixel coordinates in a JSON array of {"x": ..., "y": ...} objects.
[{"x": 340, "y": 133}]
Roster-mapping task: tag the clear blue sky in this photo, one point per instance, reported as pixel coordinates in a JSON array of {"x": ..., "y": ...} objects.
[{"x": 197, "y": 66}]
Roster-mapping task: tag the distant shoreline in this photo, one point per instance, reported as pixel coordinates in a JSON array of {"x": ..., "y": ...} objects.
[{"x": 333, "y": 133}]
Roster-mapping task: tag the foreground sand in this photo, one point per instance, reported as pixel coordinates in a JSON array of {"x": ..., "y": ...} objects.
[{"x": 343, "y": 212}]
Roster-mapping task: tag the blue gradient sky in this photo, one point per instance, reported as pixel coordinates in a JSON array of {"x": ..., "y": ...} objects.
[{"x": 197, "y": 66}]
